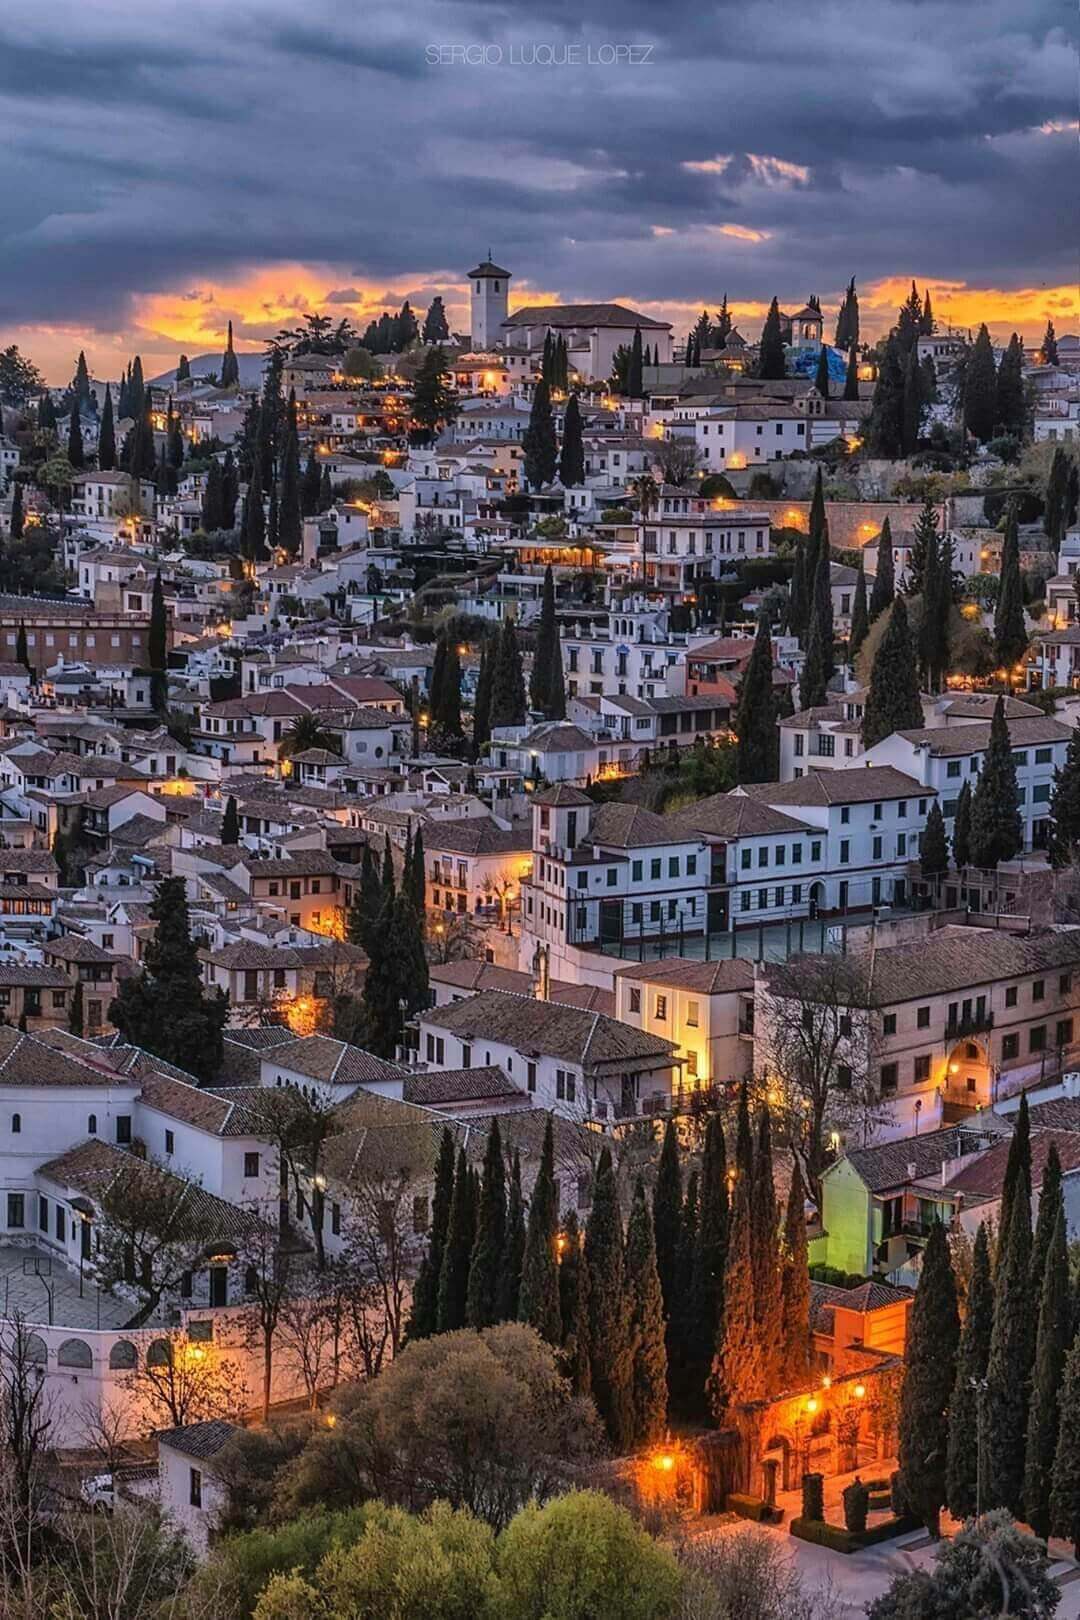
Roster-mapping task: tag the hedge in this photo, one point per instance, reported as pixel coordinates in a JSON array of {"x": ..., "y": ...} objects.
[
  {"x": 751, "y": 1507},
  {"x": 839, "y": 1540}
]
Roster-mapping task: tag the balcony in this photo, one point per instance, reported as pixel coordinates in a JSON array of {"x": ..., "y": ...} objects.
[{"x": 969, "y": 1023}]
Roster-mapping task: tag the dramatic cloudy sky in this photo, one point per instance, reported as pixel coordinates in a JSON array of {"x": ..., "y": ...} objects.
[{"x": 169, "y": 166}]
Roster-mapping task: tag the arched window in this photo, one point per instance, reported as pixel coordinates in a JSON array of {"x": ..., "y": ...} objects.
[
  {"x": 123, "y": 1356},
  {"x": 91, "y": 1125},
  {"x": 159, "y": 1354},
  {"x": 74, "y": 1353},
  {"x": 16, "y": 1124},
  {"x": 35, "y": 1349}
]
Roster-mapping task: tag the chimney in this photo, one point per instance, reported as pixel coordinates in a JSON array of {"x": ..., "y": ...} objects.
[
  {"x": 911, "y": 1170},
  {"x": 542, "y": 972}
]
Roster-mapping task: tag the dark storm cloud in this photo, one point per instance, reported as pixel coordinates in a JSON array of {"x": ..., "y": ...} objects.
[{"x": 144, "y": 151}]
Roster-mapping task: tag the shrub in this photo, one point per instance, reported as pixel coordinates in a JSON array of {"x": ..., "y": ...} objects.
[
  {"x": 748, "y": 1507},
  {"x": 856, "y": 1504},
  {"x": 896, "y": 1494},
  {"x": 813, "y": 1497}
]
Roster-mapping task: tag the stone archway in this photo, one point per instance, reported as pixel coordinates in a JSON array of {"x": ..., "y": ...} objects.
[
  {"x": 781, "y": 1449},
  {"x": 967, "y": 1074}
]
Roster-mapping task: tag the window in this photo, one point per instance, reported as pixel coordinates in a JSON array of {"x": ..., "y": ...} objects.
[
  {"x": 1064, "y": 1032},
  {"x": 43, "y": 1212},
  {"x": 170, "y": 1141},
  {"x": 796, "y": 854},
  {"x": 1064, "y": 984},
  {"x": 889, "y": 1073},
  {"x": 691, "y": 866},
  {"x": 901, "y": 809},
  {"x": 1043, "y": 756},
  {"x": 692, "y": 1064},
  {"x": 1010, "y": 995},
  {"x": 673, "y": 866},
  {"x": 16, "y": 1209},
  {"x": 875, "y": 849},
  {"x": 953, "y": 768},
  {"x": 1010, "y": 1046},
  {"x": 635, "y": 1001},
  {"x": 654, "y": 870},
  {"x": 530, "y": 1076},
  {"x": 692, "y": 1014},
  {"x": 123, "y": 1129},
  {"x": 565, "y": 1085},
  {"x": 843, "y": 1077},
  {"x": 763, "y": 856},
  {"x": 888, "y": 1024},
  {"x": 779, "y": 855},
  {"x": 1038, "y": 989},
  {"x": 16, "y": 1124},
  {"x": 195, "y": 1488},
  {"x": 763, "y": 899},
  {"x": 335, "y": 1218},
  {"x": 845, "y": 851},
  {"x": 91, "y": 1125},
  {"x": 815, "y": 850},
  {"x": 251, "y": 1165},
  {"x": 1037, "y": 1038},
  {"x": 745, "y": 857},
  {"x": 612, "y": 877},
  {"x": 922, "y": 1067},
  {"x": 637, "y": 871},
  {"x": 922, "y": 1018},
  {"x": 661, "y": 1009},
  {"x": 845, "y": 814}
]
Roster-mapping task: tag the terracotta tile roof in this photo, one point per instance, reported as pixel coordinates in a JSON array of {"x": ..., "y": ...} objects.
[
  {"x": 246, "y": 954},
  {"x": 193, "y": 1105},
  {"x": 862, "y": 785},
  {"x": 974, "y": 739},
  {"x": 631, "y": 826},
  {"x": 710, "y": 978},
  {"x": 460, "y": 1085},
  {"x": 200, "y": 1440},
  {"x": 320, "y": 1057},
  {"x": 734, "y": 815},
  {"x": 959, "y": 957},
  {"x": 474, "y": 975},
  {"x": 985, "y": 1176},
  {"x": 474, "y": 835},
  {"x": 894, "y": 1164},
  {"x": 94, "y": 1167},
  {"x": 549, "y": 1028}
]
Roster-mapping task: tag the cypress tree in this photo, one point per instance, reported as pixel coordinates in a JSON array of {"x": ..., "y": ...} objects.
[
  {"x": 1017, "y": 1168},
  {"x": 1050, "y": 1196},
  {"x": 813, "y": 682},
  {"x": 738, "y": 1374},
  {"x": 648, "y": 1390},
  {"x": 22, "y": 655},
  {"x": 934, "y": 849},
  {"x": 230, "y": 491},
  {"x": 705, "y": 1303},
  {"x": 798, "y": 604},
  {"x": 980, "y": 389},
  {"x": 1065, "y": 1486},
  {"x": 367, "y": 903},
  {"x": 481, "y": 730},
  {"x": 933, "y": 632},
  {"x": 512, "y": 1258},
  {"x": 892, "y": 699},
  {"x": 911, "y": 407},
  {"x": 425, "y": 1299},
  {"x": 681, "y": 1371},
  {"x": 821, "y": 375},
  {"x": 137, "y": 388},
  {"x": 17, "y": 520},
  {"x": 633, "y": 375},
  {"x": 997, "y": 832},
  {"x": 546, "y": 689},
  {"x": 538, "y": 445},
  {"x": 609, "y": 1345},
  {"x": 847, "y": 319},
  {"x": 1051, "y": 1349},
  {"x": 230, "y": 822},
  {"x": 884, "y": 591},
  {"x": 106, "y": 455},
  {"x": 75, "y": 452},
  {"x": 1056, "y": 514},
  {"x": 156, "y": 647},
  {"x": 457, "y": 1251},
  {"x": 388, "y": 884},
  {"x": 183, "y": 369},
  {"x": 823, "y": 610},
  {"x": 507, "y": 705},
  {"x": 174, "y": 443},
  {"x": 1008, "y": 1371},
  {"x": 817, "y": 532},
  {"x": 572, "y": 454},
  {"x": 765, "y": 1260},
  {"x": 211, "y": 516},
  {"x": 909, "y": 323},
  {"x": 851, "y": 378},
  {"x": 481, "y": 1299},
  {"x": 538, "y": 1303},
  {"x": 75, "y": 1015},
  {"x": 772, "y": 361},
  {"x": 80, "y": 385},
  {"x": 273, "y": 523},
  {"x": 1065, "y": 806},
  {"x": 1010, "y": 389},
  {"x": 927, "y": 325},
  {"x": 1049, "y": 346},
  {"x": 446, "y": 699},
  {"x": 230, "y": 365},
  {"x": 924, "y": 542},
  {"x": 1010, "y": 635},
  {"x": 309, "y": 488},
  {"x": 929, "y": 1374},
  {"x": 290, "y": 519},
  {"x": 860, "y": 615},
  {"x": 795, "y": 1290},
  {"x": 667, "y": 1217},
  {"x": 574, "y": 1308},
  {"x": 326, "y": 492},
  {"x": 885, "y": 423},
  {"x": 962, "y": 1462},
  {"x": 253, "y": 528},
  {"x": 415, "y": 879},
  {"x": 961, "y": 838},
  {"x": 758, "y": 741}
]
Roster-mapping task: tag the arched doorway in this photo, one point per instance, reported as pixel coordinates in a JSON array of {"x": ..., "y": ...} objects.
[{"x": 967, "y": 1075}]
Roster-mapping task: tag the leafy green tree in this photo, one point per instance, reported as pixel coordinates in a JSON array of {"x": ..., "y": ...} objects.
[
  {"x": 892, "y": 699},
  {"x": 929, "y": 1375},
  {"x": 507, "y": 703},
  {"x": 546, "y": 688},
  {"x": 539, "y": 447},
  {"x": 965, "y": 1421},
  {"x": 457, "y": 1250},
  {"x": 513, "y": 1255},
  {"x": 425, "y": 1301},
  {"x": 1010, "y": 634},
  {"x": 230, "y": 366},
  {"x": 230, "y": 822},
  {"x": 772, "y": 360},
  {"x": 1065, "y": 1487},
  {"x": 482, "y": 1297},
  {"x": 884, "y": 590},
  {"x": 164, "y": 1008},
  {"x": 609, "y": 1332},
  {"x": 980, "y": 389},
  {"x": 649, "y": 1389},
  {"x": 1012, "y": 1349},
  {"x": 860, "y": 616},
  {"x": 795, "y": 1339},
  {"x": 934, "y": 849},
  {"x": 572, "y": 453},
  {"x": 1051, "y": 1348},
  {"x": 758, "y": 745},
  {"x": 997, "y": 832},
  {"x": 990, "y": 1568},
  {"x": 582, "y": 1557},
  {"x": 538, "y": 1303}
]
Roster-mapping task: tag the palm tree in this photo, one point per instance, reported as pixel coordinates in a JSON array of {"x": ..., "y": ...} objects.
[
  {"x": 646, "y": 491},
  {"x": 307, "y": 731}
]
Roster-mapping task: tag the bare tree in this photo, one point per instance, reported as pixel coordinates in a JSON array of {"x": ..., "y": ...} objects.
[
  {"x": 383, "y": 1250},
  {"x": 819, "y": 1040},
  {"x": 298, "y": 1127},
  {"x": 678, "y": 459},
  {"x": 180, "y": 1380},
  {"x": 268, "y": 1269},
  {"x": 153, "y": 1230},
  {"x": 744, "y": 1576},
  {"x": 309, "y": 1329},
  {"x": 26, "y": 1435}
]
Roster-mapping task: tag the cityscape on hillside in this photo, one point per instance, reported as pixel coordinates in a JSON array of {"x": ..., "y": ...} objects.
[{"x": 540, "y": 859}]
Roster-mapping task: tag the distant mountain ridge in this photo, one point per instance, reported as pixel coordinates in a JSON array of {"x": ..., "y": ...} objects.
[{"x": 251, "y": 369}]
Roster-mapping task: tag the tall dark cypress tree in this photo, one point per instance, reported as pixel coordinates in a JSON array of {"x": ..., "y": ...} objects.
[
  {"x": 667, "y": 1217},
  {"x": 106, "y": 453},
  {"x": 538, "y": 1303},
  {"x": 309, "y": 487},
  {"x": 1011, "y": 413},
  {"x": 934, "y": 849},
  {"x": 574, "y": 1308},
  {"x": 414, "y": 880},
  {"x": 538, "y": 445},
  {"x": 1056, "y": 515},
  {"x": 481, "y": 731},
  {"x": 290, "y": 517},
  {"x": 513, "y": 1255},
  {"x": 1065, "y": 1487},
  {"x": 929, "y": 1375},
  {"x": 367, "y": 903},
  {"x": 772, "y": 361},
  {"x": 609, "y": 1332},
  {"x": 75, "y": 452},
  {"x": 572, "y": 454},
  {"x": 507, "y": 680},
  {"x": 817, "y": 532},
  {"x": 446, "y": 699},
  {"x": 230, "y": 822},
  {"x": 481, "y": 1299},
  {"x": 633, "y": 375},
  {"x": 860, "y": 614},
  {"x": 210, "y": 517},
  {"x": 546, "y": 689},
  {"x": 823, "y": 609},
  {"x": 737, "y": 1376},
  {"x": 813, "y": 683},
  {"x": 980, "y": 389},
  {"x": 798, "y": 604},
  {"x": 230, "y": 366},
  {"x": 885, "y": 423},
  {"x": 1051, "y": 1348},
  {"x": 766, "y": 1260},
  {"x": 706, "y": 1298},
  {"x": 758, "y": 745},
  {"x": 425, "y": 1300},
  {"x": 1049, "y": 348},
  {"x": 884, "y": 590},
  {"x": 961, "y": 838},
  {"x": 230, "y": 491},
  {"x": 1050, "y": 1197},
  {"x": 157, "y": 648},
  {"x": 892, "y": 699},
  {"x": 821, "y": 375},
  {"x": 17, "y": 520},
  {"x": 1065, "y": 806},
  {"x": 965, "y": 1423},
  {"x": 253, "y": 530},
  {"x": 457, "y": 1250},
  {"x": 1012, "y": 1349},
  {"x": 911, "y": 408},
  {"x": 183, "y": 369},
  {"x": 997, "y": 831},
  {"x": 795, "y": 1338},
  {"x": 648, "y": 1389},
  {"x": 851, "y": 377},
  {"x": 1010, "y": 634}
]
